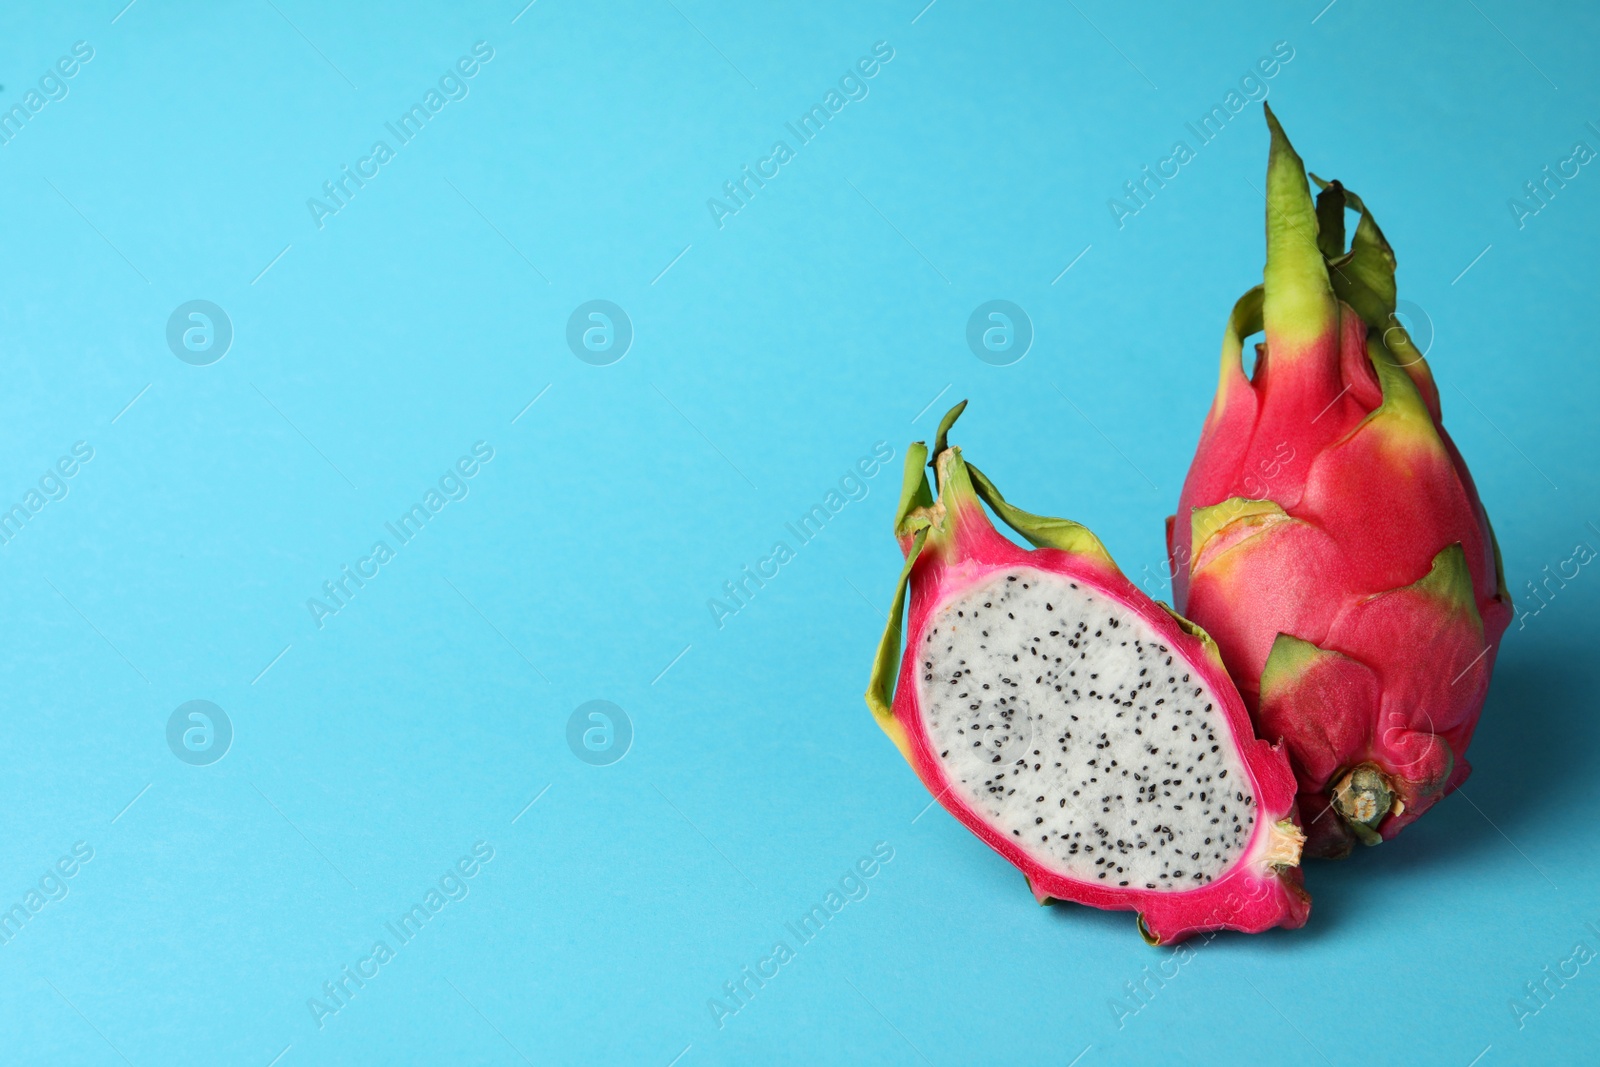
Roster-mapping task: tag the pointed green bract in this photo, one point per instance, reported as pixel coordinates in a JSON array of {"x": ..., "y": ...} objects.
[
  {"x": 958, "y": 479},
  {"x": 1205, "y": 523},
  {"x": 1244, "y": 321},
  {"x": 1195, "y": 630},
  {"x": 941, "y": 439},
  {"x": 1330, "y": 218},
  {"x": 1288, "y": 662},
  {"x": 1450, "y": 582},
  {"x": 914, "y": 491},
  {"x": 1402, "y": 399},
  {"x": 910, "y": 520},
  {"x": 955, "y": 482},
  {"x": 886, "y": 664},
  {"x": 1299, "y": 303},
  {"x": 1363, "y": 277},
  {"x": 915, "y": 517},
  {"x": 1371, "y": 265},
  {"x": 1041, "y": 531}
]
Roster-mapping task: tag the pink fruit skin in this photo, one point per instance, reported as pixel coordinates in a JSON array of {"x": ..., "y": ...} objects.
[
  {"x": 1368, "y": 500},
  {"x": 1250, "y": 897}
]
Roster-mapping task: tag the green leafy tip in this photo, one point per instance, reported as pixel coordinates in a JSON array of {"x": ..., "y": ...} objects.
[{"x": 1299, "y": 303}]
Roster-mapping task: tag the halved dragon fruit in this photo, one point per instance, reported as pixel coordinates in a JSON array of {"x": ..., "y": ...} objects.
[
  {"x": 1329, "y": 535},
  {"x": 1080, "y": 729}
]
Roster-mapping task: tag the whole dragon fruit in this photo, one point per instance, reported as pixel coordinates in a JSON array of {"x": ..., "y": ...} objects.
[
  {"x": 1081, "y": 730},
  {"x": 1329, "y": 536}
]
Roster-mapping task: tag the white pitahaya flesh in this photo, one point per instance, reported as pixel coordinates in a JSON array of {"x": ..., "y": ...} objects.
[{"x": 1066, "y": 719}]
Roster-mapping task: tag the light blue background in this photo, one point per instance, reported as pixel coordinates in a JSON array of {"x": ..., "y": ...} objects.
[{"x": 827, "y": 315}]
